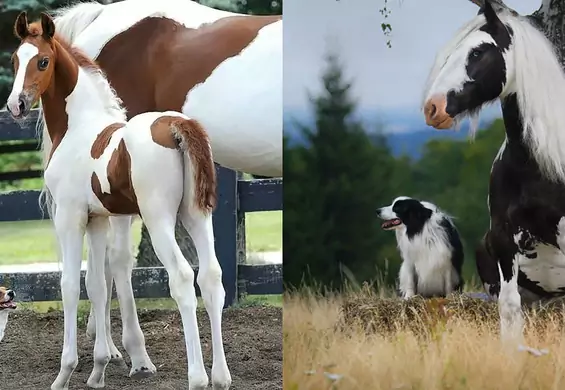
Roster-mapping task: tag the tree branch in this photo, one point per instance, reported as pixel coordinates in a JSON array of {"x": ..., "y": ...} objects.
[{"x": 497, "y": 5}]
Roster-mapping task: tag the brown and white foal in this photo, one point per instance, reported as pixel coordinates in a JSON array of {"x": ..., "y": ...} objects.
[{"x": 156, "y": 165}]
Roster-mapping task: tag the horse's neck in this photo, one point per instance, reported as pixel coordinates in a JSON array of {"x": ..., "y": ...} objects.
[
  {"x": 74, "y": 99},
  {"x": 65, "y": 75},
  {"x": 86, "y": 103},
  {"x": 512, "y": 119}
]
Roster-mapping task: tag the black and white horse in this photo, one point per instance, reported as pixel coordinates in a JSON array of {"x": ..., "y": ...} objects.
[{"x": 500, "y": 55}]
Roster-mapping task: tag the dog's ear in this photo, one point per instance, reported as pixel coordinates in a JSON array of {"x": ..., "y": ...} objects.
[{"x": 424, "y": 213}]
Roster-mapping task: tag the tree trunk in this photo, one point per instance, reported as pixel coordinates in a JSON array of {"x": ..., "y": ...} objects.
[{"x": 551, "y": 19}]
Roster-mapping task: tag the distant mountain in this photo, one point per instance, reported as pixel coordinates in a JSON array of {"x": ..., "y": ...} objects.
[{"x": 405, "y": 130}]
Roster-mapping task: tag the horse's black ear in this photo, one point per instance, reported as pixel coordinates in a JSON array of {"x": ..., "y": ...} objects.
[
  {"x": 47, "y": 25},
  {"x": 20, "y": 27},
  {"x": 490, "y": 14}
]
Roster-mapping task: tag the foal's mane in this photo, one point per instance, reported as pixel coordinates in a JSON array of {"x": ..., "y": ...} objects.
[{"x": 539, "y": 83}]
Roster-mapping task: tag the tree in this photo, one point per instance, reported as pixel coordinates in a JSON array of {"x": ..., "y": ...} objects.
[
  {"x": 550, "y": 18},
  {"x": 332, "y": 185}
]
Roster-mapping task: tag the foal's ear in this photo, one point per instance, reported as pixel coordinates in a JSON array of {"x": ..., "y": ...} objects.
[
  {"x": 20, "y": 27},
  {"x": 47, "y": 26}
]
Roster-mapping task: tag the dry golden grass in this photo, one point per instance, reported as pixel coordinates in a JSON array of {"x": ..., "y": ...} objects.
[{"x": 369, "y": 342}]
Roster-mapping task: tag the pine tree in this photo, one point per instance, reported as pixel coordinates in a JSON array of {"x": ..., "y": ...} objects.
[{"x": 332, "y": 190}]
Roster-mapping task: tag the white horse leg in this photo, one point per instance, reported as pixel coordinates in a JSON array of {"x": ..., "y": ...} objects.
[
  {"x": 509, "y": 304},
  {"x": 69, "y": 226},
  {"x": 97, "y": 232},
  {"x": 161, "y": 227},
  {"x": 199, "y": 226},
  {"x": 115, "y": 354},
  {"x": 121, "y": 264}
]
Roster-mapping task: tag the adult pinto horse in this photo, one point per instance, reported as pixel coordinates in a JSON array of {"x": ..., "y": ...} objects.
[
  {"x": 224, "y": 69},
  {"x": 156, "y": 164},
  {"x": 501, "y": 55}
]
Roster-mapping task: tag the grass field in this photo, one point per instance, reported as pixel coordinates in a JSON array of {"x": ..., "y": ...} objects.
[
  {"x": 148, "y": 303},
  {"x": 34, "y": 241},
  {"x": 457, "y": 351}
]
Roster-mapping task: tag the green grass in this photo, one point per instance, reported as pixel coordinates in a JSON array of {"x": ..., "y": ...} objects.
[
  {"x": 34, "y": 241},
  {"x": 150, "y": 303}
]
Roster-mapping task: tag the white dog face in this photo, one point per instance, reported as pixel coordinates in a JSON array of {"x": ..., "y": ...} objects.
[
  {"x": 405, "y": 212},
  {"x": 7, "y": 299},
  {"x": 391, "y": 219}
]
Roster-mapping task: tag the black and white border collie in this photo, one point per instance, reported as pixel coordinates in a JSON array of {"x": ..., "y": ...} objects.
[
  {"x": 7, "y": 303},
  {"x": 431, "y": 250}
]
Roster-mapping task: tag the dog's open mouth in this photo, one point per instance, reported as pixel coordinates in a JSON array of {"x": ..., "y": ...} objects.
[
  {"x": 391, "y": 223},
  {"x": 7, "y": 305}
]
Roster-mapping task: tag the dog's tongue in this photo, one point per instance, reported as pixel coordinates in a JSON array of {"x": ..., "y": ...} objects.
[
  {"x": 390, "y": 223},
  {"x": 8, "y": 305}
]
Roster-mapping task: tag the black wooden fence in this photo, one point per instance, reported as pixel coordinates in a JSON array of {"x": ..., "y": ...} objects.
[{"x": 235, "y": 198}]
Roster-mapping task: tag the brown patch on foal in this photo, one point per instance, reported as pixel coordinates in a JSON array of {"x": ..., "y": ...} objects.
[
  {"x": 103, "y": 140},
  {"x": 162, "y": 134},
  {"x": 189, "y": 136},
  {"x": 172, "y": 59},
  {"x": 122, "y": 198}
]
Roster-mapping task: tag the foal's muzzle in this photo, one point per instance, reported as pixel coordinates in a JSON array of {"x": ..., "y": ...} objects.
[{"x": 20, "y": 108}]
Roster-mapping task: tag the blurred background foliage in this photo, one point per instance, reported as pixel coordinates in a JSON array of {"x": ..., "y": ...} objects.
[{"x": 336, "y": 180}]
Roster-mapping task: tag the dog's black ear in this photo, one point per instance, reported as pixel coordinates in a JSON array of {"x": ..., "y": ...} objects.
[{"x": 424, "y": 213}]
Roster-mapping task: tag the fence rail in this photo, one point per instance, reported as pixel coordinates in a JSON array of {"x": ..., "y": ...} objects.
[{"x": 235, "y": 198}]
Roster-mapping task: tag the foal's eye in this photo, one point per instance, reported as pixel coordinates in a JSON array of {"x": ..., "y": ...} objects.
[{"x": 42, "y": 64}]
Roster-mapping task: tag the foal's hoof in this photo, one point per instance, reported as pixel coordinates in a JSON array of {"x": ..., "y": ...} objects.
[
  {"x": 95, "y": 381},
  {"x": 117, "y": 359},
  {"x": 142, "y": 372}
]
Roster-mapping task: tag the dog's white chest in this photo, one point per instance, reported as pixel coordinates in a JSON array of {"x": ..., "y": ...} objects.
[{"x": 431, "y": 259}]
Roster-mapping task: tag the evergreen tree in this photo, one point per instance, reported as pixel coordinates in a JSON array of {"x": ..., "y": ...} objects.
[{"x": 332, "y": 190}]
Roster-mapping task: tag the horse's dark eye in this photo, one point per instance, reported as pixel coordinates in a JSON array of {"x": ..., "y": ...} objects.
[
  {"x": 476, "y": 53},
  {"x": 42, "y": 64}
]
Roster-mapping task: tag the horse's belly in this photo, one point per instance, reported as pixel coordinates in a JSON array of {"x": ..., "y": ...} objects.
[
  {"x": 240, "y": 106},
  {"x": 547, "y": 269}
]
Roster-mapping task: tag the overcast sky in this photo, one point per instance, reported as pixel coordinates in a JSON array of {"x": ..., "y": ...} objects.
[{"x": 383, "y": 78}]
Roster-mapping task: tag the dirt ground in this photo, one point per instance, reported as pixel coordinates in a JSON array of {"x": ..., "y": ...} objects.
[{"x": 31, "y": 349}]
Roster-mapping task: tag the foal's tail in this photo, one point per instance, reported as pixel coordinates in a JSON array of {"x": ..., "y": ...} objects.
[{"x": 194, "y": 141}]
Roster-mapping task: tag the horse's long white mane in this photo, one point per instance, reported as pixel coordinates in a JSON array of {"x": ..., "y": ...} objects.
[
  {"x": 539, "y": 83},
  {"x": 69, "y": 23}
]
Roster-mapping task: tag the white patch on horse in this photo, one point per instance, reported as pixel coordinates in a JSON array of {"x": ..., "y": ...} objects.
[
  {"x": 453, "y": 73},
  {"x": 547, "y": 268},
  {"x": 25, "y": 53},
  {"x": 116, "y": 18},
  {"x": 509, "y": 307},
  {"x": 256, "y": 131}
]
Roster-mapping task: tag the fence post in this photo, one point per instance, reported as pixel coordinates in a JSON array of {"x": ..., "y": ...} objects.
[{"x": 225, "y": 231}]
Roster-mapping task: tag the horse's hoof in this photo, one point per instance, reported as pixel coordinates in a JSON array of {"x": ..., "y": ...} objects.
[{"x": 142, "y": 372}]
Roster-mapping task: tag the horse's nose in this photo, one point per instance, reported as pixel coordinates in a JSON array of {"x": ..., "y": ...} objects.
[{"x": 435, "y": 111}]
